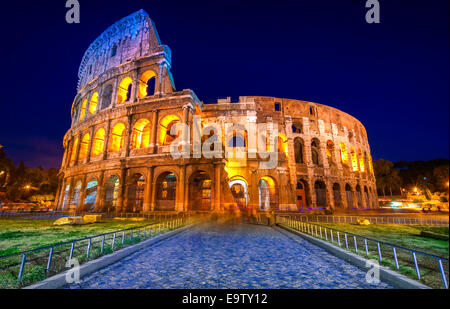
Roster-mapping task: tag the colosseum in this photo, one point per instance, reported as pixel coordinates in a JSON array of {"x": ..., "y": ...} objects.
[{"x": 118, "y": 152}]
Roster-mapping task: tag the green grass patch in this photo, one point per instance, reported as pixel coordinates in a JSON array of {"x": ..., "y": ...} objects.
[{"x": 28, "y": 234}]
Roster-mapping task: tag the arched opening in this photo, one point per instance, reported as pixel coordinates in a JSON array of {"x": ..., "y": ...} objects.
[
  {"x": 238, "y": 187},
  {"x": 166, "y": 124},
  {"x": 237, "y": 141},
  {"x": 298, "y": 149},
  {"x": 147, "y": 84},
  {"x": 282, "y": 144},
  {"x": 349, "y": 196},
  {"x": 200, "y": 191},
  {"x": 358, "y": 196},
  {"x": 330, "y": 152},
  {"x": 107, "y": 96},
  {"x": 111, "y": 193},
  {"x": 354, "y": 159},
  {"x": 297, "y": 126},
  {"x": 344, "y": 153},
  {"x": 76, "y": 195},
  {"x": 315, "y": 151},
  {"x": 83, "y": 109},
  {"x": 337, "y": 195},
  {"x": 362, "y": 167},
  {"x": 90, "y": 194},
  {"x": 141, "y": 134},
  {"x": 66, "y": 197},
  {"x": 84, "y": 146},
  {"x": 136, "y": 194},
  {"x": 73, "y": 154},
  {"x": 321, "y": 193},
  {"x": 166, "y": 187},
  {"x": 124, "y": 91},
  {"x": 268, "y": 198},
  {"x": 366, "y": 197},
  {"x": 301, "y": 194},
  {"x": 117, "y": 138},
  {"x": 99, "y": 142},
  {"x": 93, "y": 103}
]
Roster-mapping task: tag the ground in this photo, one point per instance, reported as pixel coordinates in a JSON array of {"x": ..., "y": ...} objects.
[
  {"x": 19, "y": 235},
  {"x": 230, "y": 256}
]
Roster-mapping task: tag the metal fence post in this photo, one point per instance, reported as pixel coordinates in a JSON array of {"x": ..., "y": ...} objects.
[
  {"x": 88, "y": 248},
  {"x": 356, "y": 245},
  {"x": 331, "y": 234},
  {"x": 346, "y": 242},
  {"x": 379, "y": 251},
  {"x": 22, "y": 266},
  {"x": 72, "y": 247},
  {"x": 123, "y": 237},
  {"x": 416, "y": 265},
  {"x": 367, "y": 249},
  {"x": 49, "y": 262},
  {"x": 338, "y": 239},
  {"x": 395, "y": 256},
  {"x": 113, "y": 241},
  {"x": 103, "y": 244},
  {"x": 441, "y": 269}
]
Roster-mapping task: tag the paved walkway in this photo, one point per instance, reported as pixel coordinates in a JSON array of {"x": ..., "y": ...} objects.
[{"x": 229, "y": 256}]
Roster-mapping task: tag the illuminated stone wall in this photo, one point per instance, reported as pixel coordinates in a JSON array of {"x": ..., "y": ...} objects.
[{"x": 117, "y": 152}]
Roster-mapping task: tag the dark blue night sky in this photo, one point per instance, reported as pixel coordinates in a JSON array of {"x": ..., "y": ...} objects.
[{"x": 392, "y": 76}]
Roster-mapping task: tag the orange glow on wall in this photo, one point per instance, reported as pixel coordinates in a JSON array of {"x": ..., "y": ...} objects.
[
  {"x": 93, "y": 103},
  {"x": 344, "y": 153},
  {"x": 117, "y": 137},
  {"x": 145, "y": 77},
  {"x": 99, "y": 142},
  {"x": 164, "y": 129},
  {"x": 354, "y": 159},
  {"x": 84, "y": 146},
  {"x": 122, "y": 92},
  {"x": 73, "y": 155},
  {"x": 361, "y": 161},
  {"x": 83, "y": 109},
  {"x": 141, "y": 134},
  {"x": 282, "y": 144}
]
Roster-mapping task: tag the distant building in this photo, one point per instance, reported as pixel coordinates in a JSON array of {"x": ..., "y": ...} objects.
[{"x": 117, "y": 152}]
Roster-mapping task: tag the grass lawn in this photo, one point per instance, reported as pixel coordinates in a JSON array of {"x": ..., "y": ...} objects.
[
  {"x": 19, "y": 235},
  {"x": 27, "y": 234},
  {"x": 402, "y": 235},
  {"x": 407, "y": 236}
]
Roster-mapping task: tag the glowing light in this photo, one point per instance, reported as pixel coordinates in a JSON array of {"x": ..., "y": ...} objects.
[
  {"x": 93, "y": 103},
  {"x": 344, "y": 153},
  {"x": 99, "y": 142},
  {"x": 164, "y": 132},
  {"x": 83, "y": 109},
  {"x": 141, "y": 134},
  {"x": 117, "y": 137},
  {"x": 124, "y": 90},
  {"x": 143, "y": 83}
]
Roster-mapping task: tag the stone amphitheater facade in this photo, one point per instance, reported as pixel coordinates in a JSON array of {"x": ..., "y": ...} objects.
[{"x": 118, "y": 150}]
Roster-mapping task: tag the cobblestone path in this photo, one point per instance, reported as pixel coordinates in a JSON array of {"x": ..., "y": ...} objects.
[{"x": 229, "y": 256}]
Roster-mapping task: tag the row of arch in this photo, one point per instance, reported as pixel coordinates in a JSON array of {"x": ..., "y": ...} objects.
[
  {"x": 359, "y": 160},
  {"x": 140, "y": 138},
  {"x": 146, "y": 87},
  {"x": 358, "y": 198}
]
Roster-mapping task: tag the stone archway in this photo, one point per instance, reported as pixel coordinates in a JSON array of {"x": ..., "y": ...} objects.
[
  {"x": 321, "y": 193},
  {"x": 302, "y": 201},
  {"x": 238, "y": 187},
  {"x": 199, "y": 191},
  {"x": 268, "y": 197},
  {"x": 166, "y": 189}
]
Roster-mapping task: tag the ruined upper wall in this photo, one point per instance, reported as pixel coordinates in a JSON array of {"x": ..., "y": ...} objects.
[{"x": 130, "y": 38}]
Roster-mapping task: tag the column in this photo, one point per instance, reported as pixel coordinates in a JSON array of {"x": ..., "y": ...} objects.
[
  {"x": 106, "y": 143},
  {"x": 153, "y": 133},
  {"x": 148, "y": 190},
  {"x": 217, "y": 184},
  {"x": 179, "y": 205},
  {"x": 91, "y": 141}
]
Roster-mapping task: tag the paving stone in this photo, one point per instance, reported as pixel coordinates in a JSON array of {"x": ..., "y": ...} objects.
[{"x": 230, "y": 256}]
